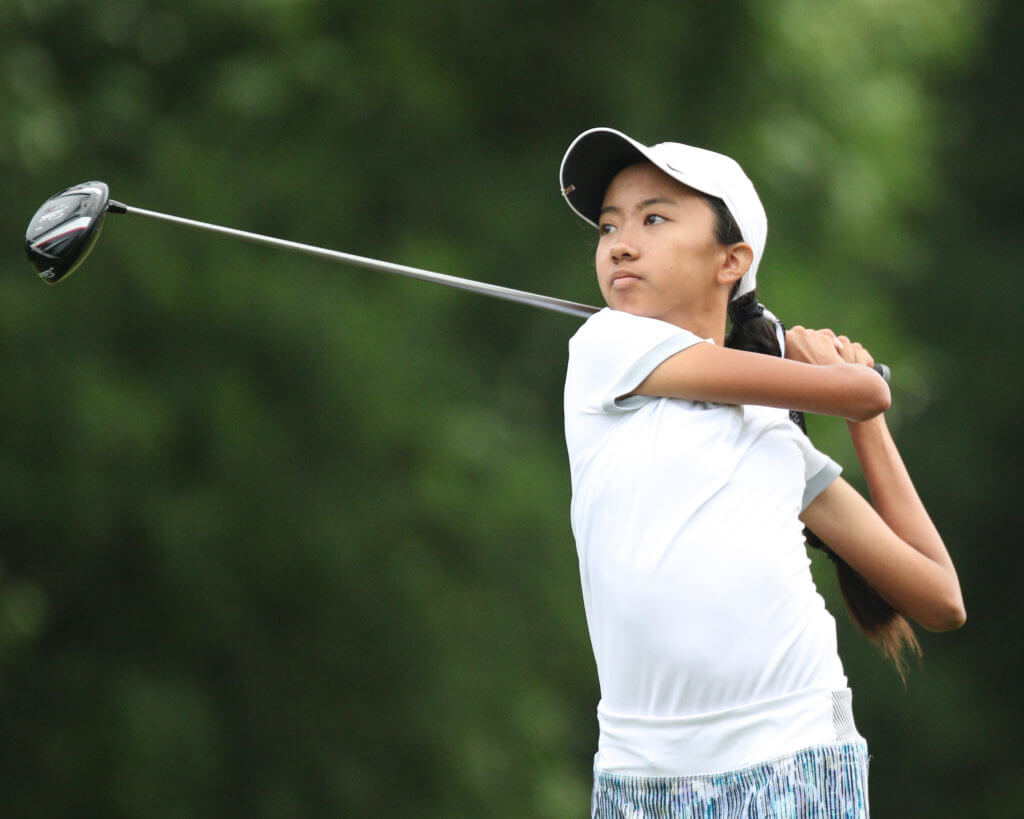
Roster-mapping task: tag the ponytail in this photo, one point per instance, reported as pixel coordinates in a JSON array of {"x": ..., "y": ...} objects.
[{"x": 756, "y": 330}]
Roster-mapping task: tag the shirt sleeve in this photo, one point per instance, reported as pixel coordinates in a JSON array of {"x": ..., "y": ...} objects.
[
  {"x": 819, "y": 471},
  {"x": 612, "y": 354}
]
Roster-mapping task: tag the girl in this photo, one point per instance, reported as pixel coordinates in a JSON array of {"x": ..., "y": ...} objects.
[{"x": 722, "y": 693}]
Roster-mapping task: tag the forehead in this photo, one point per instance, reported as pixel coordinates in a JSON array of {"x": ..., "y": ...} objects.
[{"x": 645, "y": 181}]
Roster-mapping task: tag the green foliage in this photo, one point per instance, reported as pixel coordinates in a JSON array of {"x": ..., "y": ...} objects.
[{"x": 284, "y": 539}]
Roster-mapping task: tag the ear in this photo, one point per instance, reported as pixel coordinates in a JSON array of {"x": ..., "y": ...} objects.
[{"x": 738, "y": 258}]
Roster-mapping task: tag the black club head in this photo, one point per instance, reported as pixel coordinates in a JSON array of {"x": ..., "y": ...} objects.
[{"x": 64, "y": 229}]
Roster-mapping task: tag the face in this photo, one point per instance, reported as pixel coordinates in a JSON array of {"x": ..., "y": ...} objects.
[{"x": 658, "y": 255}]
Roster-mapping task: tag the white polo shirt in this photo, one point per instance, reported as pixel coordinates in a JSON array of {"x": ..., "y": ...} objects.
[{"x": 714, "y": 649}]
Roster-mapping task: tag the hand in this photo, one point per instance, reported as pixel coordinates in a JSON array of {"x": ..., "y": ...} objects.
[
  {"x": 854, "y": 352},
  {"x": 813, "y": 346},
  {"x": 824, "y": 347}
]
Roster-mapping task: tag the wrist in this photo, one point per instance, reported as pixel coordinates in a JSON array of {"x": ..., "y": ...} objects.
[{"x": 872, "y": 429}]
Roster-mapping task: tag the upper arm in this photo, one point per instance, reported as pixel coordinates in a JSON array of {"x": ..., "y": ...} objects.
[
  {"x": 911, "y": 582},
  {"x": 706, "y": 372}
]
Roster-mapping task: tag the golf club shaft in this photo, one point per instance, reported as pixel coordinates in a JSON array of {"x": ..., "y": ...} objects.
[{"x": 571, "y": 308}]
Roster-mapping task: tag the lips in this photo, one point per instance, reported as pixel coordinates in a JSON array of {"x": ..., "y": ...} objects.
[{"x": 622, "y": 278}]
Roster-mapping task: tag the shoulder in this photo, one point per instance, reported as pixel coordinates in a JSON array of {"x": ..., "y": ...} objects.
[
  {"x": 613, "y": 353},
  {"x": 624, "y": 332}
]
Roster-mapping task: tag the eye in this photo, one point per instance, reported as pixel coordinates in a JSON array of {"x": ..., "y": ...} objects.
[
  {"x": 654, "y": 219},
  {"x": 605, "y": 228}
]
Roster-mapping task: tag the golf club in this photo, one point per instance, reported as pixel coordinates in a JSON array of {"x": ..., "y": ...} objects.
[{"x": 66, "y": 226}]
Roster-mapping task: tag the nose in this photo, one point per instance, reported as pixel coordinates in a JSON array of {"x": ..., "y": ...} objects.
[{"x": 622, "y": 250}]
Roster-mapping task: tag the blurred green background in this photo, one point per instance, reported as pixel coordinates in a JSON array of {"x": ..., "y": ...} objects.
[{"x": 282, "y": 538}]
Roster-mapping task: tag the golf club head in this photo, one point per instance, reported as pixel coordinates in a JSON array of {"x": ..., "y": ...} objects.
[{"x": 64, "y": 229}]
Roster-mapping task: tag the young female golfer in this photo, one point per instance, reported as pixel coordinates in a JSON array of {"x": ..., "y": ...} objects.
[{"x": 722, "y": 693}]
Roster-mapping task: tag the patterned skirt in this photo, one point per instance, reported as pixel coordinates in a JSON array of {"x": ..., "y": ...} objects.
[{"x": 822, "y": 782}]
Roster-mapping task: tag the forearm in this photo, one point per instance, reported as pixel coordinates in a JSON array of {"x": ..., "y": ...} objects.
[
  {"x": 892, "y": 491},
  {"x": 705, "y": 372},
  {"x": 892, "y": 543}
]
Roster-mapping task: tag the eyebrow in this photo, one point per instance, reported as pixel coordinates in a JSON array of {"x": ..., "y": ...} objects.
[{"x": 657, "y": 200}]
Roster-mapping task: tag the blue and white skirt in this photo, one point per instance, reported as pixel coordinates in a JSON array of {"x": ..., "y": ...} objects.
[{"x": 821, "y": 782}]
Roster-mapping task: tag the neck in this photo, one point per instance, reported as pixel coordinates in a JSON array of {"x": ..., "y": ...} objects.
[{"x": 705, "y": 324}]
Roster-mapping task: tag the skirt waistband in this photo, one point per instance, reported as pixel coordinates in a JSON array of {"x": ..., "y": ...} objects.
[
  {"x": 724, "y": 740},
  {"x": 813, "y": 783}
]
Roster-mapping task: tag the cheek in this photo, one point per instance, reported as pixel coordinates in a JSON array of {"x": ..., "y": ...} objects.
[
  {"x": 699, "y": 253},
  {"x": 600, "y": 264},
  {"x": 602, "y": 256}
]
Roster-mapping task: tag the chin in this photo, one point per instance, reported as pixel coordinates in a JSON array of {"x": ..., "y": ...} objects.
[
  {"x": 634, "y": 308},
  {"x": 624, "y": 304}
]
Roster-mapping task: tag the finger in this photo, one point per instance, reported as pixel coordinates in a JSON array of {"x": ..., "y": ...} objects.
[
  {"x": 847, "y": 349},
  {"x": 863, "y": 356},
  {"x": 831, "y": 336}
]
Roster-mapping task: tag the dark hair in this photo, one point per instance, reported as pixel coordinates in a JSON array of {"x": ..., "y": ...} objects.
[
  {"x": 726, "y": 230},
  {"x": 756, "y": 332}
]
